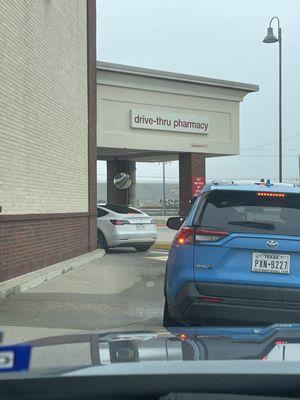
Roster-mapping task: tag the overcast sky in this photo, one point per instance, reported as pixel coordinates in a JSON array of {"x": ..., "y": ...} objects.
[{"x": 218, "y": 39}]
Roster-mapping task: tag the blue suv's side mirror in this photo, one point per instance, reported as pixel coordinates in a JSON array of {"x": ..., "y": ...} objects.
[{"x": 175, "y": 223}]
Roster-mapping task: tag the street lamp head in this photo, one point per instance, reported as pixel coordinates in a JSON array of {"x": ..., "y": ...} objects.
[{"x": 270, "y": 38}]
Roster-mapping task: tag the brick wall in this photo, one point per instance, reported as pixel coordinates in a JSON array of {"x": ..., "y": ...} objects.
[
  {"x": 43, "y": 106},
  {"x": 47, "y": 133},
  {"x": 190, "y": 164},
  {"x": 37, "y": 241}
]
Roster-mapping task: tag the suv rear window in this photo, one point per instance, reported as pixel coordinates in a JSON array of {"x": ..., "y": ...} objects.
[
  {"x": 245, "y": 211},
  {"x": 121, "y": 209}
]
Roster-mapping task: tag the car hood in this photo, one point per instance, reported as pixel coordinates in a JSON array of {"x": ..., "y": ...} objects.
[{"x": 72, "y": 352}]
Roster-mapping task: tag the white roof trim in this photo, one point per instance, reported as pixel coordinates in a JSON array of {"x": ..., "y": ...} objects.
[{"x": 153, "y": 73}]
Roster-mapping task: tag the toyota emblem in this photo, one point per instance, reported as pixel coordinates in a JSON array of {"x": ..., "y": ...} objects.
[{"x": 272, "y": 244}]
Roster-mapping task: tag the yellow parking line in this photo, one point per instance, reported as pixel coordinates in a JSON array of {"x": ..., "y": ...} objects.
[
  {"x": 158, "y": 258},
  {"x": 161, "y": 245}
]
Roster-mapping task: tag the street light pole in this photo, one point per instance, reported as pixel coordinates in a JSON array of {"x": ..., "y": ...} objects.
[
  {"x": 280, "y": 105},
  {"x": 271, "y": 38}
]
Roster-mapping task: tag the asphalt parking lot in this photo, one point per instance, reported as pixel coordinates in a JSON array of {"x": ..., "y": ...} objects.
[{"x": 122, "y": 290}]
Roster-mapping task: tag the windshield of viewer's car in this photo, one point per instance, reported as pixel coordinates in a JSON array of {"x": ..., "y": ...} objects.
[{"x": 149, "y": 180}]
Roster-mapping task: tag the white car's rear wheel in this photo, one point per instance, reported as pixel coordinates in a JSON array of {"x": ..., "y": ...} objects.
[
  {"x": 143, "y": 247},
  {"x": 101, "y": 241}
]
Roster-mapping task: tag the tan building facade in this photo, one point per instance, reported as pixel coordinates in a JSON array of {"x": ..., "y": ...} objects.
[
  {"x": 47, "y": 133},
  {"x": 151, "y": 115}
]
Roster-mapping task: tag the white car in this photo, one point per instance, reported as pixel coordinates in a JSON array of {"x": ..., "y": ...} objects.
[{"x": 122, "y": 226}]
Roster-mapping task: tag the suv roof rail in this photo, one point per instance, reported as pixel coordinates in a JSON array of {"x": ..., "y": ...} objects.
[
  {"x": 285, "y": 184},
  {"x": 230, "y": 182},
  {"x": 248, "y": 182}
]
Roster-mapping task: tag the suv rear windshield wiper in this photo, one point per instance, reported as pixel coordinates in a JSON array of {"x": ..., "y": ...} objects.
[{"x": 254, "y": 224}]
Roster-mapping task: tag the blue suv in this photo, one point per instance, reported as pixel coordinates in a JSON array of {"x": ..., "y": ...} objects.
[{"x": 236, "y": 257}]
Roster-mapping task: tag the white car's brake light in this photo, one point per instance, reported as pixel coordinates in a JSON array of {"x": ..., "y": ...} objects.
[{"x": 119, "y": 221}]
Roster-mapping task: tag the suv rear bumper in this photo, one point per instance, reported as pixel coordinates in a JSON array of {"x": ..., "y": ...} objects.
[{"x": 192, "y": 304}]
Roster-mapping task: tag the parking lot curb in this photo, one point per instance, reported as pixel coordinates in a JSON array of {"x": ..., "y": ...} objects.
[
  {"x": 161, "y": 246},
  {"x": 36, "y": 278}
]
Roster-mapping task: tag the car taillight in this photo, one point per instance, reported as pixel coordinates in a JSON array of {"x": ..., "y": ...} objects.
[
  {"x": 189, "y": 235},
  {"x": 119, "y": 221},
  {"x": 281, "y": 341},
  {"x": 268, "y": 194},
  {"x": 208, "y": 299},
  {"x": 183, "y": 337},
  {"x": 209, "y": 235},
  {"x": 185, "y": 236}
]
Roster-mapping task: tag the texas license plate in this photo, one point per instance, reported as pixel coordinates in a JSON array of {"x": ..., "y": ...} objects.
[
  {"x": 140, "y": 227},
  {"x": 270, "y": 262}
]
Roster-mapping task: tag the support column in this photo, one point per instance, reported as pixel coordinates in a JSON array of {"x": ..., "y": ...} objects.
[
  {"x": 132, "y": 193},
  {"x": 115, "y": 195},
  {"x": 190, "y": 165}
]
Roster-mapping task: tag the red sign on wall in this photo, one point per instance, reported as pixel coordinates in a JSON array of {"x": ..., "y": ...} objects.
[{"x": 198, "y": 183}]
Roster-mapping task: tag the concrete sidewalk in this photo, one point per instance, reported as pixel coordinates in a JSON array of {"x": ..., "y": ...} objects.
[
  {"x": 122, "y": 290},
  {"x": 33, "y": 279},
  {"x": 36, "y": 278}
]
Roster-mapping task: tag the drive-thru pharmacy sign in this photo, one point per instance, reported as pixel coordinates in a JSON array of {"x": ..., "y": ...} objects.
[{"x": 144, "y": 119}]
